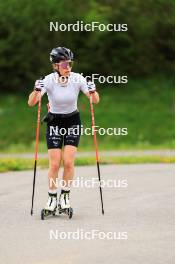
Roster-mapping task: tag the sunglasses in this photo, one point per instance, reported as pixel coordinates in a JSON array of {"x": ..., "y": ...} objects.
[{"x": 65, "y": 64}]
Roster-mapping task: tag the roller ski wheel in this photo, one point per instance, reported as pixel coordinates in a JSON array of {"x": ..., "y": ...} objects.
[
  {"x": 45, "y": 213},
  {"x": 70, "y": 212},
  {"x": 66, "y": 211}
]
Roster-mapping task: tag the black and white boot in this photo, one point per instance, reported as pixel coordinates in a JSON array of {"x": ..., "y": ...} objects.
[
  {"x": 64, "y": 200},
  {"x": 51, "y": 206},
  {"x": 64, "y": 203}
]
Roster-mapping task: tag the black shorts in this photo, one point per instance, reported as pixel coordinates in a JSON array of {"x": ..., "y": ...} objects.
[{"x": 63, "y": 130}]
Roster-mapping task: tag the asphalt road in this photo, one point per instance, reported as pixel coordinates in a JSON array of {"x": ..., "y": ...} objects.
[{"x": 141, "y": 215}]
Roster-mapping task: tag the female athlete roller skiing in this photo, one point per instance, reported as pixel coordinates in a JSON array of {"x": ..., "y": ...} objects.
[{"x": 62, "y": 88}]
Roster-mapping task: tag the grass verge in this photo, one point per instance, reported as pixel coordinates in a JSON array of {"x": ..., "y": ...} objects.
[
  {"x": 146, "y": 107},
  {"x": 18, "y": 164}
]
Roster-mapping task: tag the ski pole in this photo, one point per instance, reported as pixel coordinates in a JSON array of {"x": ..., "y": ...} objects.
[
  {"x": 96, "y": 151},
  {"x": 36, "y": 151}
]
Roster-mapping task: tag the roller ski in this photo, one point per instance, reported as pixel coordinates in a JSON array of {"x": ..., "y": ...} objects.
[
  {"x": 51, "y": 206},
  {"x": 64, "y": 204}
]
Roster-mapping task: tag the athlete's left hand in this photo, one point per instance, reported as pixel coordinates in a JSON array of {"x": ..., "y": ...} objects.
[{"x": 91, "y": 87}]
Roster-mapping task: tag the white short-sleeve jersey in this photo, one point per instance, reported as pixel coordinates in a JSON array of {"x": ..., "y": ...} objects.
[{"x": 63, "y": 99}]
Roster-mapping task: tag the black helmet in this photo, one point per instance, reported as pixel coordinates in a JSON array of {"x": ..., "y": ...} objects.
[{"x": 61, "y": 53}]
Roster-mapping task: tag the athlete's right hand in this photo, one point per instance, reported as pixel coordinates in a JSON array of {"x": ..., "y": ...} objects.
[{"x": 39, "y": 85}]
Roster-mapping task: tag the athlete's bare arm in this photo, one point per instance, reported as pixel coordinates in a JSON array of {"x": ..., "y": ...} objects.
[
  {"x": 36, "y": 94},
  {"x": 34, "y": 98}
]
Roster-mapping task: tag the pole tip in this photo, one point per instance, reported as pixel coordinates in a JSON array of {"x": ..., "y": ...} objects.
[{"x": 31, "y": 212}]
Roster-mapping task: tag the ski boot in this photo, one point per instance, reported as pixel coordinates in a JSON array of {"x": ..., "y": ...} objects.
[
  {"x": 64, "y": 204},
  {"x": 51, "y": 206}
]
